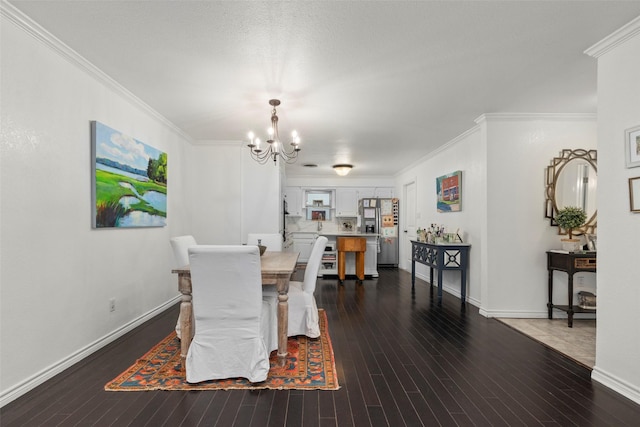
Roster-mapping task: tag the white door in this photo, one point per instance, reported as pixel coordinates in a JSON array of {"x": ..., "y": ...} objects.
[{"x": 409, "y": 225}]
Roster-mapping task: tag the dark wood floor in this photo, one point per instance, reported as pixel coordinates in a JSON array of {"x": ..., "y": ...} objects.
[{"x": 401, "y": 359}]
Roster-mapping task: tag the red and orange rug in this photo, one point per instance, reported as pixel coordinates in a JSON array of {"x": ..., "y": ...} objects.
[{"x": 309, "y": 366}]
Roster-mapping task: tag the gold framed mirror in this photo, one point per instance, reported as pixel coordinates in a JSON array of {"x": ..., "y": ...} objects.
[{"x": 571, "y": 180}]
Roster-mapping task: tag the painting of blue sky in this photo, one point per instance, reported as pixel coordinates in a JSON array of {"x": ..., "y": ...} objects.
[{"x": 130, "y": 180}]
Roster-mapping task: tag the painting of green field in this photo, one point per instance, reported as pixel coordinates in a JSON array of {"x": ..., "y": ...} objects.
[{"x": 129, "y": 181}]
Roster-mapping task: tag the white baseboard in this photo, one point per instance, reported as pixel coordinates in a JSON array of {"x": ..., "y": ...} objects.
[
  {"x": 616, "y": 384},
  {"x": 557, "y": 314},
  {"x": 35, "y": 380}
]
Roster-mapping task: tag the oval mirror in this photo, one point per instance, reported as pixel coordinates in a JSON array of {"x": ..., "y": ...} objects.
[{"x": 572, "y": 181}]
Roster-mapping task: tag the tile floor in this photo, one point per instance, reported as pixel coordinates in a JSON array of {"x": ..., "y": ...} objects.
[{"x": 577, "y": 343}]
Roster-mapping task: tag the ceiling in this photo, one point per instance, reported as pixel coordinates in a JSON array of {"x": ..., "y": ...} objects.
[{"x": 375, "y": 84}]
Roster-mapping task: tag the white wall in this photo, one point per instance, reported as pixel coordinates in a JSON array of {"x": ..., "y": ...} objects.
[
  {"x": 339, "y": 181},
  {"x": 261, "y": 194},
  {"x": 519, "y": 148},
  {"x": 465, "y": 153},
  {"x": 214, "y": 183},
  {"x": 618, "y": 336},
  {"x": 57, "y": 273},
  {"x": 231, "y": 194},
  {"x": 503, "y": 162}
]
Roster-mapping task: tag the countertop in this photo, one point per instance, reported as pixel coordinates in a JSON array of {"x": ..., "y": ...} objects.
[
  {"x": 348, "y": 233},
  {"x": 337, "y": 233}
]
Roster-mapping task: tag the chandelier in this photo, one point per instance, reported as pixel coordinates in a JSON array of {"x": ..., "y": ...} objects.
[{"x": 274, "y": 148}]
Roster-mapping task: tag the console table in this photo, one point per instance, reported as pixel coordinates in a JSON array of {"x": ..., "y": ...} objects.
[
  {"x": 441, "y": 256},
  {"x": 570, "y": 263}
]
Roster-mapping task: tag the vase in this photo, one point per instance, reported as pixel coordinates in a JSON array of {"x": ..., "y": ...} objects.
[{"x": 571, "y": 245}]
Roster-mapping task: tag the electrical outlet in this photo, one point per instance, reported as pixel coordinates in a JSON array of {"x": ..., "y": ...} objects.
[
  {"x": 580, "y": 280},
  {"x": 112, "y": 305}
]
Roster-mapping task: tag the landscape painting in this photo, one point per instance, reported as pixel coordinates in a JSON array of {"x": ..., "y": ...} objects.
[
  {"x": 448, "y": 190},
  {"x": 129, "y": 181}
]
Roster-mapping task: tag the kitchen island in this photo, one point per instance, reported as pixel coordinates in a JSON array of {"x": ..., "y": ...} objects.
[{"x": 329, "y": 264}]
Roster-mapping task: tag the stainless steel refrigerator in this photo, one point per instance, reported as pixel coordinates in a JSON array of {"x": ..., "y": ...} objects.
[{"x": 380, "y": 216}]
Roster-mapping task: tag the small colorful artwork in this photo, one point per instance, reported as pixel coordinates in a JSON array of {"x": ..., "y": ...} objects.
[
  {"x": 449, "y": 192},
  {"x": 318, "y": 215},
  {"x": 129, "y": 181}
]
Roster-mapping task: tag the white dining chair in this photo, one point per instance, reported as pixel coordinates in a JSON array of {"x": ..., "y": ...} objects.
[
  {"x": 233, "y": 324},
  {"x": 180, "y": 246},
  {"x": 303, "y": 310}
]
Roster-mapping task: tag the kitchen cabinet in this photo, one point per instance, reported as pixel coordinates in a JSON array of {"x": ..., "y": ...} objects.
[
  {"x": 293, "y": 196},
  {"x": 303, "y": 243},
  {"x": 375, "y": 192},
  {"x": 384, "y": 192},
  {"x": 346, "y": 202},
  {"x": 366, "y": 193}
]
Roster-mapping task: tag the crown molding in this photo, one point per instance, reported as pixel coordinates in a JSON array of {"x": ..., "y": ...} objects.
[
  {"x": 212, "y": 143},
  {"x": 615, "y": 39},
  {"x": 35, "y": 30},
  {"x": 438, "y": 150},
  {"x": 535, "y": 116}
]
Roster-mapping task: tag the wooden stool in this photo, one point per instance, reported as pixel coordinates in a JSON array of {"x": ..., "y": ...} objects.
[{"x": 351, "y": 244}]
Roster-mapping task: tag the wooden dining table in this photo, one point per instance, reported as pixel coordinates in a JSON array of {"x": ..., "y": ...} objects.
[{"x": 276, "y": 269}]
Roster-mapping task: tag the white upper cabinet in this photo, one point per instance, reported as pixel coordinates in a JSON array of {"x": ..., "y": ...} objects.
[
  {"x": 384, "y": 192},
  {"x": 293, "y": 196},
  {"x": 346, "y": 202},
  {"x": 367, "y": 193}
]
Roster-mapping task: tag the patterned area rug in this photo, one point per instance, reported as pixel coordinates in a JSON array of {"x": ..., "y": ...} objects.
[{"x": 309, "y": 366}]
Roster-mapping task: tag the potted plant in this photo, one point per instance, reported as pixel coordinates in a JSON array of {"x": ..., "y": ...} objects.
[{"x": 568, "y": 218}]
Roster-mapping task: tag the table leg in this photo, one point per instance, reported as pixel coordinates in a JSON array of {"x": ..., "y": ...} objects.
[
  {"x": 570, "y": 310},
  {"x": 463, "y": 286},
  {"x": 550, "y": 303},
  {"x": 413, "y": 274},
  {"x": 342, "y": 261},
  {"x": 186, "y": 315},
  {"x": 360, "y": 265},
  {"x": 431, "y": 278},
  {"x": 439, "y": 286},
  {"x": 283, "y": 319}
]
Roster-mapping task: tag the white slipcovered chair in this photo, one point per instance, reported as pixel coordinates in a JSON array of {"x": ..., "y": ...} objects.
[
  {"x": 273, "y": 242},
  {"x": 303, "y": 310},
  {"x": 233, "y": 324},
  {"x": 180, "y": 246}
]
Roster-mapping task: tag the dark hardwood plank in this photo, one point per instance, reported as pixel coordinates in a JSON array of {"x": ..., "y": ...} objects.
[{"x": 402, "y": 360}]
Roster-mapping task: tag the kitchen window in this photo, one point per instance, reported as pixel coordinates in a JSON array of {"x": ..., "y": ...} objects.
[{"x": 318, "y": 204}]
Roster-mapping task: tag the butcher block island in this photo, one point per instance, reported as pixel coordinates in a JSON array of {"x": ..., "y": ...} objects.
[{"x": 329, "y": 264}]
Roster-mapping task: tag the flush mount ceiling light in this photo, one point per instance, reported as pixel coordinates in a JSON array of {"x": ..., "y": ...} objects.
[
  {"x": 342, "y": 169},
  {"x": 274, "y": 147}
]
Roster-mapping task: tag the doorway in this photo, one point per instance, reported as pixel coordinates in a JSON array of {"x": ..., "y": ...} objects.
[{"x": 409, "y": 223}]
